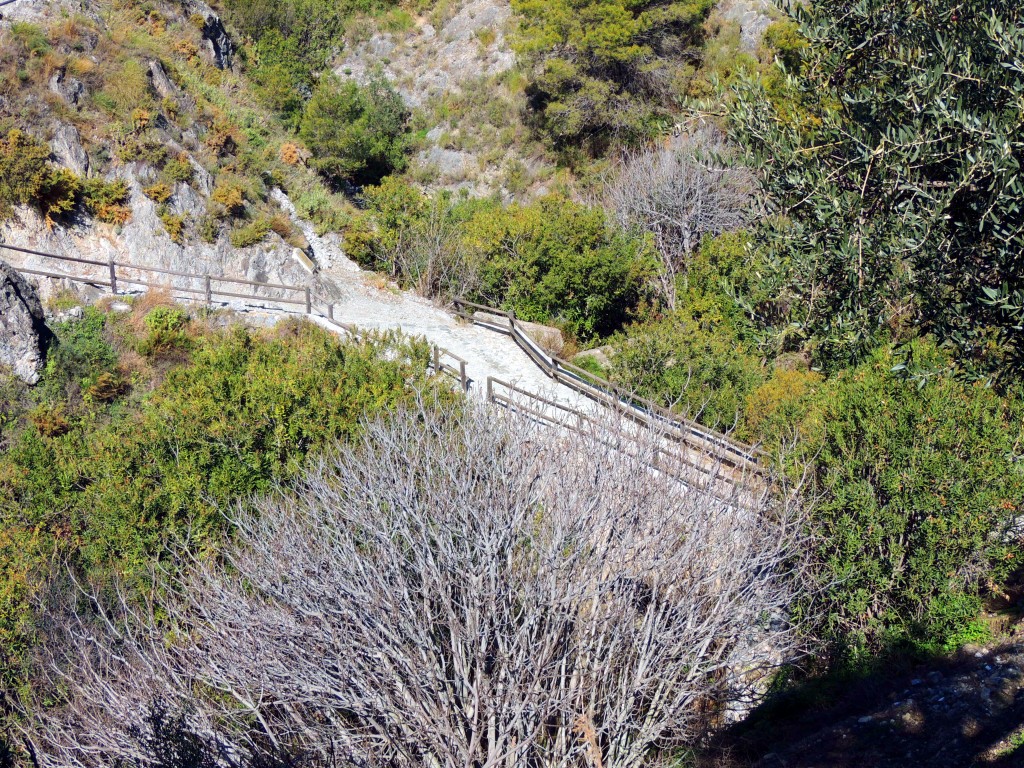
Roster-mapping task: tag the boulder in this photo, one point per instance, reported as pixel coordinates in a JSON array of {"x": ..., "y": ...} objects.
[{"x": 23, "y": 332}]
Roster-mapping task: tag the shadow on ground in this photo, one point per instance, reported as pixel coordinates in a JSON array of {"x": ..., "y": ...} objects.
[{"x": 963, "y": 711}]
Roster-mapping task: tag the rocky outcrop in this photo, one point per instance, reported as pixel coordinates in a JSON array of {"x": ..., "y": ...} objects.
[
  {"x": 429, "y": 61},
  {"x": 68, "y": 150},
  {"x": 161, "y": 82},
  {"x": 753, "y": 18},
  {"x": 219, "y": 45},
  {"x": 23, "y": 332},
  {"x": 70, "y": 90}
]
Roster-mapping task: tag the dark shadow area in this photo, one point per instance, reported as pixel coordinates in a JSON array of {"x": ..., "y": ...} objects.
[{"x": 966, "y": 710}]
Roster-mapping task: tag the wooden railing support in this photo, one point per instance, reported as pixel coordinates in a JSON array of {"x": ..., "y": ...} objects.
[
  {"x": 113, "y": 276},
  {"x": 209, "y": 291},
  {"x": 309, "y": 301}
]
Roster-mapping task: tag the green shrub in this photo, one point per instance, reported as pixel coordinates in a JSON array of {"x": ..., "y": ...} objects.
[
  {"x": 27, "y": 178},
  {"x": 358, "y": 133},
  {"x": 691, "y": 361},
  {"x": 915, "y": 484},
  {"x": 107, "y": 200},
  {"x": 159, "y": 192},
  {"x": 556, "y": 261},
  {"x": 251, "y": 234},
  {"x": 593, "y": 61},
  {"x": 174, "y": 223},
  {"x": 166, "y": 331},
  {"x": 178, "y": 170},
  {"x": 108, "y": 492},
  {"x": 82, "y": 350}
]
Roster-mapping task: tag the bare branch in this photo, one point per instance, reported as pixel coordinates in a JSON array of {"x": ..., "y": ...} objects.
[{"x": 463, "y": 588}]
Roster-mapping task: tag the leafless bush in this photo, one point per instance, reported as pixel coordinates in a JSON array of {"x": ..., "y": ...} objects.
[
  {"x": 680, "y": 193},
  {"x": 464, "y": 588},
  {"x": 427, "y": 254}
]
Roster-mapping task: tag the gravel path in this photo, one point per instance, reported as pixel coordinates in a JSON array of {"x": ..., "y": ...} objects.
[{"x": 366, "y": 302}]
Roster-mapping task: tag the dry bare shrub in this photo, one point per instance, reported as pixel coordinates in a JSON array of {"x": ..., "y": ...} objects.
[
  {"x": 462, "y": 588},
  {"x": 290, "y": 153},
  {"x": 680, "y": 193}
]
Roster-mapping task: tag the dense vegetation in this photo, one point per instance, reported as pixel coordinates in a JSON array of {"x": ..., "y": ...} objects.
[
  {"x": 607, "y": 71},
  {"x": 857, "y": 313},
  {"x": 147, "y": 427},
  {"x": 895, "y": 186}
]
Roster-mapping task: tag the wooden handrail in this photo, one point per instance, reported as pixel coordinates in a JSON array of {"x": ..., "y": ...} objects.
[
  {"x": 718, "y": 480},
  {"x": 612, "y": 395}
]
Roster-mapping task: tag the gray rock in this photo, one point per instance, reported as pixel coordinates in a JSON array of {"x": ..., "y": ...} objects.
[
  {"x": 72, "y": 91},
  {"x": 219, "y": 45},
  {"x": 23, "y": 332},
  {"x": 67, "y": 148},
  {"x": 161, "y": 82}
]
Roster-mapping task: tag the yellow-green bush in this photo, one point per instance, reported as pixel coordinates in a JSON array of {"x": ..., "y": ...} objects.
[{"x": 104, "y": 482}]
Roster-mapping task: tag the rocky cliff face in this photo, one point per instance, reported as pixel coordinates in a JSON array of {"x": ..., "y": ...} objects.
[
  {"x": 23, "y": 333},
  {"x": 170, "y": 118}
]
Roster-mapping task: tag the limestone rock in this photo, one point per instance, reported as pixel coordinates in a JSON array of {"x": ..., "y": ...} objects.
[
  {"x": 161, "y": 82},
  {"x": 547, "y": 338},
  {"x": 23, "y": 332},
  {"x": 67, "y": 148},
  {"x": 72, "y": 91}
]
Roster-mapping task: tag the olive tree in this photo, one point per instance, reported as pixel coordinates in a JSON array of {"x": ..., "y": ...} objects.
[{"x": 890, "y": 161}]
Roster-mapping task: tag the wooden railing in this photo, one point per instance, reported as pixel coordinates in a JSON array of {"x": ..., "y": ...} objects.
[
  {"x": 116, "y": 276},
  {"x": 639, "y": 409},
  {"x": 705, "y": 473}
]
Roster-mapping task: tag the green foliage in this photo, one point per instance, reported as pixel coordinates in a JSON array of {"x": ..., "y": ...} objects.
[
  {"x": 107, "y": 200},
  {"x": 27, "y": 178},
  {"x": 896, "y": 189},
  {"x": 166, "y": 331},
  {"x": 916, "y": 484},
  {"x": 174, "y": 223},
  {"x": 690, "y": 360},
  {"x": 178, "y": 169},
  {"x": 355, "y": 134},
  {"x": 552, "y": 261},
  {"x": 281, "y": 75},
  {"x": 252, "y": 233},
  {"x": 598, "y": 64},
  {"x": 116, "y": 483},
  {"x": 30, "y": 38},
  {"x": 82, "y": 352},
  {"x": 558, "y": 261}
]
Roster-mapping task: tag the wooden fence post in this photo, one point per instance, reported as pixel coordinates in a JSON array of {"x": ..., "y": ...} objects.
[
  {"x": 330, "y": 311},
  {"x": 309, "y": 301},
  {"x": 437, "y": 359},
  {"x": 462, "y": 374},
  {"x": 209, "y": 292},
  {"x": 490, "y": 390},
  {"x": 113, "y": 276}
]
